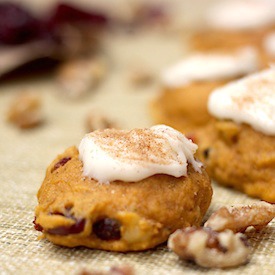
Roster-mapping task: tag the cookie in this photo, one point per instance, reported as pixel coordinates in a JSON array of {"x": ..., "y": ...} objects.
[
  {"x": 182, "y": 103},
  {"x": 239, "y": 147},
  {"x": 232, "y": 24},
  {"x": 123, "y": 190}
]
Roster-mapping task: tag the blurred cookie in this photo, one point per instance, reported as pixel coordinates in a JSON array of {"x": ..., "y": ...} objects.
[
  {"x": 239, "y": 147},
  {"x": 268, "y": 49},
  {"x": 232, "y": 24},
  {"x": 183, "y": 102},
  {"x": 123, "y": 190}
]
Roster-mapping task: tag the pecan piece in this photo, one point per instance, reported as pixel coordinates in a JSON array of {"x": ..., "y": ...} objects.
[
  {"x": 80, "y": 76},
  {"x": 75, "y": 228},
  {"x": 25, "y": 111},
  {"x": 208, "y": 248},
  {"x": 140, "y": 77},
  {"x": 97, "y": 121},
  {"x": 239, "y": 218}
]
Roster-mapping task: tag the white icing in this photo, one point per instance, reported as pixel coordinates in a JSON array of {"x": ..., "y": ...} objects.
[
  {"x": 241, "y": 14},
  {"x": 269, "y": 44},
  {"x": 110, "y": 154},
  {"x": 250, "y": 100},
  {"x": 211, "y": 66}
]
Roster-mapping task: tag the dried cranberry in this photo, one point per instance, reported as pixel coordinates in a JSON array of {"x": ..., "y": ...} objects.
[
  {"x": 65, "y": 13},
  {"x": 107, "y": 229},
  {"x": 60, "y": 163},
  {"x": 76, "y": 228},
  {"x": 154, "y": 13},
  {"x": 37, "y": 226},
  {"x": 206, "y": 153},
  {"x": 17, "y": 25}
]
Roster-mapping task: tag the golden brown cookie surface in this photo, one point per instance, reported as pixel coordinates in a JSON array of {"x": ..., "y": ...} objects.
[
  {"x": 120, "y": 216},
  {"x": 184, "y": 108},
  {"x": 221, "y": 40},
  {"x": 238, "y": 156},
  {"x": 230, "y": 41}
]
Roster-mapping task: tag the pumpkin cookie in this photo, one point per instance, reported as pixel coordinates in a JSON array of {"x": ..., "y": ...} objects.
[
  {"x": 123, "y": 190},
  {"x": 239, "y": 147},
  {"x": 182, "y": 103},
  {"x": 235, "y": 23}
]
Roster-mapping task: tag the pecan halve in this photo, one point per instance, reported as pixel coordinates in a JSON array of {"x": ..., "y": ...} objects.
[
  {"x": 239, "y": 218},
  {"x": 208, "y": 248}
]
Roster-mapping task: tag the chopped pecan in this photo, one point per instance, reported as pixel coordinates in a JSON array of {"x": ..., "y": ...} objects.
[
  {"x": 206, "y": 153},
  {"x": 239, "y": 218},
  {"x": 79, "y": 76},
  {"x": 97, "y": 121},
  {"x": 60, "y": 163},
  {"x": 25, "y": 111},
  {"x": 140, "y": 77},
  {"x": 208, "y": 248}
]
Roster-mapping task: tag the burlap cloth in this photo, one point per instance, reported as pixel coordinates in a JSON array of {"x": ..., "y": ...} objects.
[{"x": 24, "y": 156}]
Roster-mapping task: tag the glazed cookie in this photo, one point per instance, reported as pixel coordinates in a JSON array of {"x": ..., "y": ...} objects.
[
  {"x": 239, "y": 147},
  {"x": 183, "y": 102},
  {"x": 123, "y": 190},
  {"x": 235, "y": 23}
]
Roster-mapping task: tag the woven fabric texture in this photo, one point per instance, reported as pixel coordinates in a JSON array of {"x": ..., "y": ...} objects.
[{"x": 24, "y": 156}]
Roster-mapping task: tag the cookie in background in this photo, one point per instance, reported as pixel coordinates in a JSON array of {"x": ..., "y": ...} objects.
[
  {"x": 182, "y": 102},
  {"x": 239, "y": 145},
  {"x": 123, "y": 190},
  {"x": 231, "y": 24}
]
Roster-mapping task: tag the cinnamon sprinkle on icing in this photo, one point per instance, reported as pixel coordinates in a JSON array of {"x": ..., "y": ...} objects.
[
  {"x": 250, "y": 100},
  {"x": 113, "y": 154}
]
